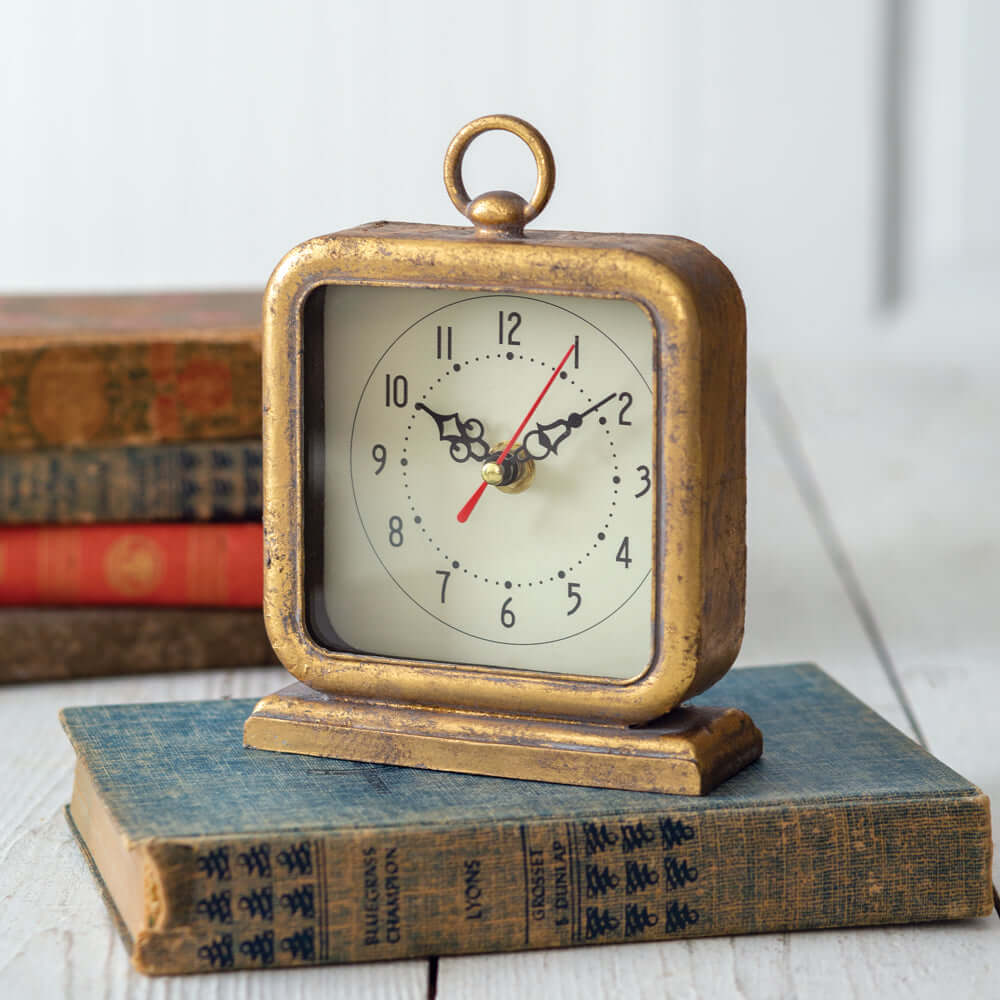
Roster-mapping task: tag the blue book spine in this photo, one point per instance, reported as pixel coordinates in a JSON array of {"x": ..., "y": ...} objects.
[
  {"x": 246, "y": 859},
  {"x": 211, "y": 481}
]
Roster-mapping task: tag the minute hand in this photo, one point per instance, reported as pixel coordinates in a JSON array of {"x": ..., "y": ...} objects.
[
  {"x": 470, "y": 504},
  {"x": 541, "y": 442}
]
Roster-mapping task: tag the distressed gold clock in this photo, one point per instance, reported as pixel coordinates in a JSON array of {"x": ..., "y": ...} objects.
[{"x": 504, "y": 497}]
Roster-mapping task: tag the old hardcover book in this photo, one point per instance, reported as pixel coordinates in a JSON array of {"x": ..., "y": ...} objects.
[
  {"x": 196, "y": 481},
  {"x": 40, "y": 644},
  {"x": 213, "y": 856},
  {"x": 128, "y": 369},
  {"x": 170, "y": 564}
]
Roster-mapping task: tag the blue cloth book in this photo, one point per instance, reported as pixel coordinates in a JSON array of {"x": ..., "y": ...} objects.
[
  {"x": 215, "y": 857},
  {"x": 194, "y": 481}
]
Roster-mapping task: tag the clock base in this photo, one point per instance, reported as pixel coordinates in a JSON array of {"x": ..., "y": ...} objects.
[{"x": 689, "y": 751}]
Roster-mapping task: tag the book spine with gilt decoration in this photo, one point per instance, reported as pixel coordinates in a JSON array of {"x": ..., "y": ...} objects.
[
  {"x": 214, "y": 856},
  {"x": 78, "y": 371},
  {"x": 268, "y": 900},
  {"x": 169, "y": 564}
]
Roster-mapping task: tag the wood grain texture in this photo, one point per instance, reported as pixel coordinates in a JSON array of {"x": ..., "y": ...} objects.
[
  {"x": 922, "y": 535},
  {"x": 56, "y": 938},
  {"x": 840, "y": 965},
  {"x": 796, "y": 604}
]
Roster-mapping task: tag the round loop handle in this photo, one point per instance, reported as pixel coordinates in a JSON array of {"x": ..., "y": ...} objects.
[{"x": 499, "y": 213}]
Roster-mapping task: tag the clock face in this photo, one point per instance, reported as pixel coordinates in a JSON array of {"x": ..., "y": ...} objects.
[{"x": 421, "y": 390}]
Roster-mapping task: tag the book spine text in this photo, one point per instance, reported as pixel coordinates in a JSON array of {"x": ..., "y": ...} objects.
[{"x": 385, "y": 894}]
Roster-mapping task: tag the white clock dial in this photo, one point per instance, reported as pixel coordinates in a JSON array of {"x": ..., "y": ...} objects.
[{"x": 422, "y": 387}]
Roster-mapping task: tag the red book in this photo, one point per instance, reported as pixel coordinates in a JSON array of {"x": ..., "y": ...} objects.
[{"x": 171, "y": 564}]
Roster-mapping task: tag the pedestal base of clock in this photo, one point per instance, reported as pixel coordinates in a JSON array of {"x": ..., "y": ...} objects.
[{"x": 689, "y": 751}]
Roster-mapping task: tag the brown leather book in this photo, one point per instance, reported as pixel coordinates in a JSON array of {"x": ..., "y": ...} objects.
[
  {"x": 38, "y": 644},
  {"x": 84, "y": 370}
]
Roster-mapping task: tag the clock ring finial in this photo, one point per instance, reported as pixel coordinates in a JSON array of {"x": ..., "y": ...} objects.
[{"x": 501, "y": 214}]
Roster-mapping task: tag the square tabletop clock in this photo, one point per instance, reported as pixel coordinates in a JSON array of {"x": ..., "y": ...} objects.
[{"x": 505, "y": 497}]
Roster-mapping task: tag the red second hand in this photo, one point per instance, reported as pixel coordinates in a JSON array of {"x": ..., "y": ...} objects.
[{"x": 470, "y": 505}]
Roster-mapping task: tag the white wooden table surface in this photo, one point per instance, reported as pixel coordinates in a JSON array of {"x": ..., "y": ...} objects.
[{"x": 874, "y": 552}]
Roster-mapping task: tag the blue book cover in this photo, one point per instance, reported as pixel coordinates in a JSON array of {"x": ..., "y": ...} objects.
[{"x": 214, "y": 856}]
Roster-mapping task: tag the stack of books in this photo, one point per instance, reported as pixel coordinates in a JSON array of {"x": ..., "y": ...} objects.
[{"x": 130, "y": 484}]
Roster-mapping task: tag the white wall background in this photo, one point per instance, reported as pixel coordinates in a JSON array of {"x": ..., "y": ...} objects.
[{"x": 842, "y": 158}]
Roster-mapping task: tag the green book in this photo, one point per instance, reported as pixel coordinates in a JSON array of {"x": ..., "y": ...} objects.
[{"x": 213, "y": 856}]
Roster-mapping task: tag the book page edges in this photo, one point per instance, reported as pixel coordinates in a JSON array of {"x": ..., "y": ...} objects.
[
  {"x": 130, "y": 880},
  {"x": 124, "y": 869}
]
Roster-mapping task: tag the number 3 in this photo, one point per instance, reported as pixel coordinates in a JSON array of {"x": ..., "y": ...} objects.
[{"x": 643, "y": 471}]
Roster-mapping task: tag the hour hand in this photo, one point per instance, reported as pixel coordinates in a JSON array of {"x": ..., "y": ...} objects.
[
  {"x": 465, "y": 437},
  {"x": 545, "y": 439}
]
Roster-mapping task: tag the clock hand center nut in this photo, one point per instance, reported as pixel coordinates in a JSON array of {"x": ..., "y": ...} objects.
[{"x": 515, "y": 474}]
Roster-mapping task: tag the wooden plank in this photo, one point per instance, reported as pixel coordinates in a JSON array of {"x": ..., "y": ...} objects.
[
  {"x": 56, "y": 938},
  {"x": 916, "y": 507},
  {"x": 797, "y": 606},
  {"x": 911, "y": 962}
]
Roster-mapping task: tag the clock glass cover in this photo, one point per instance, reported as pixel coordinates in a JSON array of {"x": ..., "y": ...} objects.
[{"x": 410, "y": 395}]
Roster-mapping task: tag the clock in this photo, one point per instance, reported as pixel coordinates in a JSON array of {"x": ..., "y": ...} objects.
[
  {"x": 551, "y": 570},
  {"x": 504, "y": 497}
]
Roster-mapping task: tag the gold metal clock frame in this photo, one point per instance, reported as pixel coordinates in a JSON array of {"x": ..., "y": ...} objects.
[{"x": 516, "y": 723}]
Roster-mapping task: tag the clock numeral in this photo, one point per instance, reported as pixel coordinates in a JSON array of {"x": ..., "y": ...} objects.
[
  {"x": 444, "y": 343},
  {"x": 444, "y": 574},
  {"x": 573, "y": 592},
  {"x": 576, "y": 351},
  {"x": 626, "y": 398},
  {"x": 643, "y": 471},
  {"x": 513, "y": 322},
  {"x": 507, "y": 618},
  {"x": 622, "y": 555},
  {"x": 395, "y": 531},
  {"x": 397, "y": 390},
  {"x": 378, "y": 453}
]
